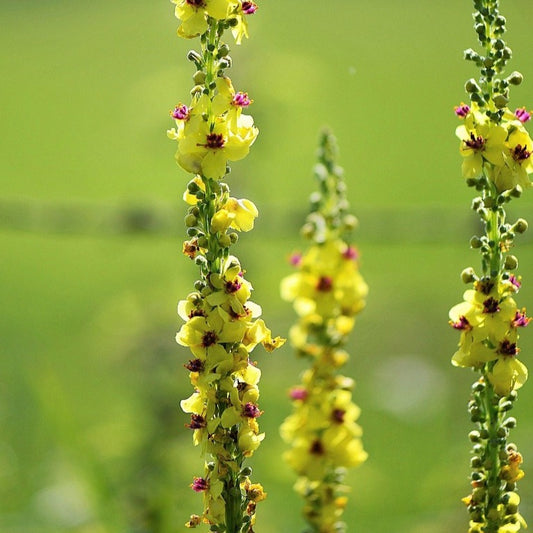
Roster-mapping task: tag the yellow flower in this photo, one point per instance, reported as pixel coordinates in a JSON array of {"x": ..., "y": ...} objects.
[
  {"x": 236, "y": 214},
  {"x": 204, "y": 335},
  {"x": 240, "y": 29},
  {"x": 206, "y": 150},
  {"x": 508, "y": 374},
  {"x": 481, "y": 140},
  {"x": 193, "y": 15},
  {"x": 518, "y": 162}
]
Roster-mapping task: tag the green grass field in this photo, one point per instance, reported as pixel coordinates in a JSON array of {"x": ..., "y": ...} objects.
[{"x": 91, "y": 434}]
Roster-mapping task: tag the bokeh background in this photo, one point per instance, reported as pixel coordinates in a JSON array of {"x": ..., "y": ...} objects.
[{"x": 92, "y": 439}]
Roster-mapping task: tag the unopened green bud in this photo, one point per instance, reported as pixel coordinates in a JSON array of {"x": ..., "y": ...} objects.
[
  {"x": 506, "y": 406},
  {"x": 246, "y": 472},
  {"x": 520, "y": 226},
  {"x": 511, "y": 262},
  {"x": 471, "y": 86},
  {"x": 190, "y": 221},
  {"x": 478, "y": 386},
  {"x": 350, "y": 222},
  {"x": 501, "y": 101},
  {"x": 480, "y": 29},
  {"x": 191, "y": 232},
  {"x": 515, "y": 78},
  {"x": 510, "y": 422},
  {"x": 234, "y": 237},
  {"x": 476, "y": 242},
  {"x": 199, "y": 77},
  {"x": 476, "y": 462},
  {"x": 192, "y": 187},
  {"x": 468, "y": 275},
  {"x": 202, "y": 242},
  {"x": 199, "y": 285},
  {"x": 308, "y": 230},
  {"x": 193, "y": 55},
  {"x": 223, "y": 51},
  {"x": 224, "y": 63},
  {"x": 502, "y": 432},
  {"x": 200, "y": 260},
  {"x": 224, "y": 241},
  {"x": 516, "y": 191},
  {"x": 474, "y": 436}
]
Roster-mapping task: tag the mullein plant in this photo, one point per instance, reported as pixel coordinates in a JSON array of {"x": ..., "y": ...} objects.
[
  {"x": 496, "y": 150},
  {"x": 327, "y": 291},
  {"x": 221, "y": 325}
]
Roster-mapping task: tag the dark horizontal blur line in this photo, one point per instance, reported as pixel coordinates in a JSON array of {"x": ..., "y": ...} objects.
[{"x": 420, "y": 224}]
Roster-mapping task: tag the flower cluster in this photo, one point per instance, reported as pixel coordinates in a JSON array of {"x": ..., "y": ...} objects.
[
  {"x": 496, "y": 150},
  {"x": 489, "y": 320},
  {"x": 221, "y": 324},
  {"x": 499, "y": 150},
  {"x": 327, "y": 291}
]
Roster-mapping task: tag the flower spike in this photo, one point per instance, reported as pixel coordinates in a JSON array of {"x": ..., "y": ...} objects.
[
  {"x": 497, "y": 161},
  {"x": 327, "y": 291},
  {"x": 221, "y": 325}
]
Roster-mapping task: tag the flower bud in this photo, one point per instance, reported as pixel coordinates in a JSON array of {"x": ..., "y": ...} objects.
[
  {"x": 223, "y": 51},
  {"x": 501, "y": 101},
  {"x": 515, "y": 78},
  {"x": 511, "y": 262},
  {"x": 199, "y": 77},
  {"x": 350, "y": 222},
  {"x": 474, "y": 436},
  {"x": 520, "y": 226},
  {"x": 471, "y": 86},
  {"x": 510, "y": 422},
  {"x": 468, "y": 275},
  {"x": 193, "y": 55},
  {"x": 190, "y": 220}
]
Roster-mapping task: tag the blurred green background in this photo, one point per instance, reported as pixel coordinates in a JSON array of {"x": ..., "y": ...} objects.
[{"x": 91, "y": 435}]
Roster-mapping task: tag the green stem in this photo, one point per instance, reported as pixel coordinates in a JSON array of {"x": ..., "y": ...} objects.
[{"x": 495, "y": 444}]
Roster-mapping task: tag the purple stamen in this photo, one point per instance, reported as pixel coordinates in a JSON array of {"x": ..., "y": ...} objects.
[
  {"x": 520, "y": 153},
  {"x": 181, "y": 112},
  {"x": 241, "y": 100},
  {"x": 522, "y": 115},
  {"x": 476, "y": 143},
  {"x": 462, "y": 110},
  {"x": 197, "y": 422},
  {"x": 521, "y": 320},
  {"x": 233, "y": 286},
  {"x": 508, "y": 348},
  {"x": 199, "y": 484},
  {"x": 209, "y": 338},
  {"x": 249, "y": 8},
  {"x": 351, "y": 253},
  {"x": 337, "y": 415},
  {"x": 195, "y": 365},
  {"x": 325, "y": 284},
  {"x": 298, "y": 393},
  {"x": 250, "y": 410},
  {"x": 491, "y": 306},
  {"x": 317, "y": 448},
  {"x": 462, "y": 324}
]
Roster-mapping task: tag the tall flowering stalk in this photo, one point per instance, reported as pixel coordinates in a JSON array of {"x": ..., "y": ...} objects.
[
  {"x": 327, "y": 291},
  {"x": 496, "y": 151},
  {"x": 221, "y": 324}
]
